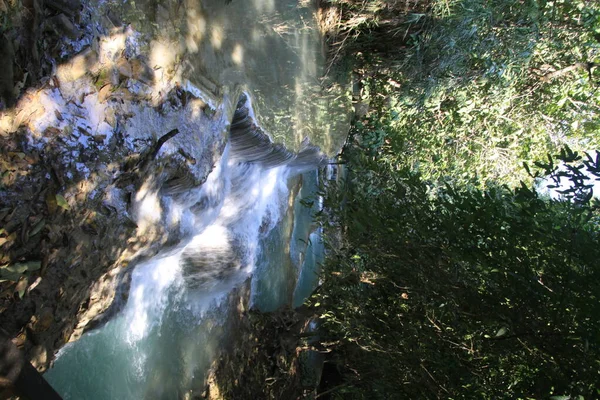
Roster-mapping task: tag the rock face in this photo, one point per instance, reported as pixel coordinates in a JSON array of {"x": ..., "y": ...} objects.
[{"x": 95, "y": 165}]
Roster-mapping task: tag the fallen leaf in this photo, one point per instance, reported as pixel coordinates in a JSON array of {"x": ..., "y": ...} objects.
[
  {"x": 104, "y": 92},
  {"x": 501, "y": 332},
  {"x": 22, "y": 286},
  {"x": 37, "y": 228},
  {"x": 34, "y": 284},
  {"x": 9, "y": 273},
  {"x": 62, "y": 202},
  {"x": 51, "y": 203}
]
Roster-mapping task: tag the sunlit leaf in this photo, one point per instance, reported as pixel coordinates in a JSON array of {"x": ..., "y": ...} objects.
[
  {"x": 62, "y": 202},
  {"x": 501, "y": 332}
]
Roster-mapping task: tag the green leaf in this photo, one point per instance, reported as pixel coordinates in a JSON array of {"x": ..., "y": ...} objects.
[
  {"x": 33, "y": 265},
  {"x": 561, "y": 102},
  {"x": 62, "y": 202},
  {"x": 6, "y": 275},
  {"x": 501, "y": 332},
  {"x": 526, "y": 166},
  {"x": 37, "y": 228},
  {"x": 18, "y": 268},
  {"x": 15, "y": 271},
  {"x": 22, "y": 267}
]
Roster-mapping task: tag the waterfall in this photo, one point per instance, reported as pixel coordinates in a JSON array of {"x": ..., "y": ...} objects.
[{"x": 168, "y": 332}]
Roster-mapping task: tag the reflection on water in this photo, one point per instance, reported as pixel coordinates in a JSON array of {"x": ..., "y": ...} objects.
[{"x": 270, "y": 48}]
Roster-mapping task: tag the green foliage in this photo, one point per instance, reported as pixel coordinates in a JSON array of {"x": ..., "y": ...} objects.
[
  {"x": 455, "y": 278},
  {"x": 460, "y": 293},
  {"x": 487, "y": 86},
  {"x": 14, "y": 272}
]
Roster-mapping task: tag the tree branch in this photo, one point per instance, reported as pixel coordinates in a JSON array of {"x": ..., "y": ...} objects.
[{"x": 587, "y": 66}]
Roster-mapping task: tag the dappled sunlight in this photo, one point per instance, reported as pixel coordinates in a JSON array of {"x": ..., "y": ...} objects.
[
  {"x": 216, "y": 37},
  {"x": 123, "y": 143},
  {"x": 77, "y": 67},
  {"x": 164, "y": 57},
  {"x": 264, "y": 5},
  {"x": 196, "y": 24},
  {"x": 237, "y": 55},
  {"x": 148, "y": 210},
  {"x": 112, "y": 47}
]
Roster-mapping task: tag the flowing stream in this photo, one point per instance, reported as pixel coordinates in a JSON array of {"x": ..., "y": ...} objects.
[{"x": 252, "y": 217}]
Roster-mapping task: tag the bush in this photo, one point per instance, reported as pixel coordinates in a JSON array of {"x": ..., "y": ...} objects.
[
  {"x": 463, "y": 293},
  {"x": 455, "y": 278}
]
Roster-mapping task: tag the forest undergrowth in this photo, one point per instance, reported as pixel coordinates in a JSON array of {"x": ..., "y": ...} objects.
[{"x": 460, "y": 275}]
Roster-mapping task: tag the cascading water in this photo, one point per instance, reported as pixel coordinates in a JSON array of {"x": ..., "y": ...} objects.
[
  {"x": 248, "y": 218},
  {"x": 171, "y": 328}
]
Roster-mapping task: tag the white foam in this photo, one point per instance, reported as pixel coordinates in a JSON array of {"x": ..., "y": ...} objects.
[{"x": 149, "y": 294}]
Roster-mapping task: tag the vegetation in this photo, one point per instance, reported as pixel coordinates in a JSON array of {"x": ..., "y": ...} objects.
[
  {"x": 462, "y": 294},
  {"x": 455, "y": 277},
  {"x": 474, "y": 88}
]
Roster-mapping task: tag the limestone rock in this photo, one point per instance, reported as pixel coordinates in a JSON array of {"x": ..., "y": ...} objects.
[{"x": 77, "y": 67}]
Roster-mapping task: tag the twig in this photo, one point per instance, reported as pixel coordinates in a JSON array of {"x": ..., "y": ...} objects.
[
  {"x": 585, "y": 66},
  {"x": 433, "y": 379},
  {"x": 160, "y": 142}
]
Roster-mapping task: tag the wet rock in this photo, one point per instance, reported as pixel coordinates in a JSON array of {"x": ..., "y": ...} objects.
[{"x": 211, "y": 258}]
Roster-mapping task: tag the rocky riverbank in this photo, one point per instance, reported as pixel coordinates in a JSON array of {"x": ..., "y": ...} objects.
[{"x": 94, "y": 154}]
